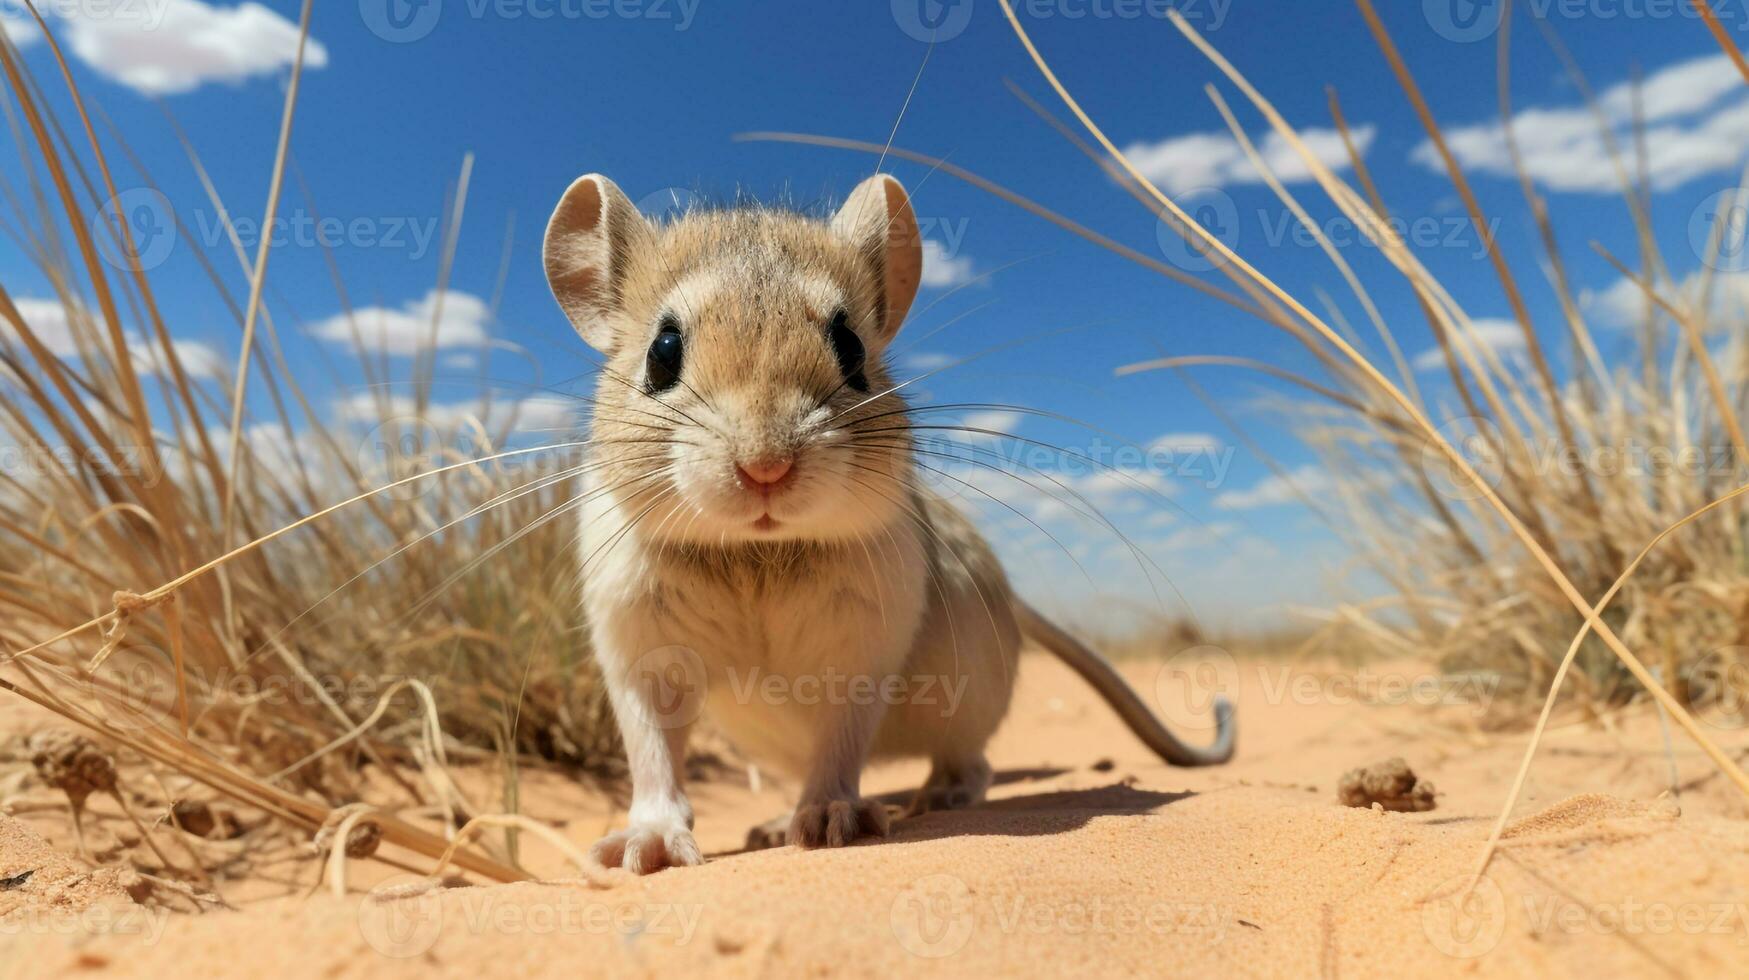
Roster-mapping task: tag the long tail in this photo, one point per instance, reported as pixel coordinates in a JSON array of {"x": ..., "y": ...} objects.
[{"x": 1097, "y": 671}]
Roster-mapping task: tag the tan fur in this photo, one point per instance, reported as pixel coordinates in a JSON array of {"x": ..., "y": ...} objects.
[{"x": 705, "y": 594}]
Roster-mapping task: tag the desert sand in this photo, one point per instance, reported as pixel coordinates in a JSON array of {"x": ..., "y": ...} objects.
[{"x": 1090, "y": 859}]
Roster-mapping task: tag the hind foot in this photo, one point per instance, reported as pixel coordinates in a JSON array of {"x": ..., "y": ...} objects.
[
  {"x": 772, "y": 833},
  {"x": 951, "y": 786}
]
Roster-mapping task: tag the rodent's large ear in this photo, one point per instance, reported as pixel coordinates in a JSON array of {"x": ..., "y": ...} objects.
[
  {"x": 877, "y": 219},
  {"x": 590, "y": 236}
]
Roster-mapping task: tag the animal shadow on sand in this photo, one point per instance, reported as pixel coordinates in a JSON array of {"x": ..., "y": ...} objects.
[{"x": 1030, "y": 815}]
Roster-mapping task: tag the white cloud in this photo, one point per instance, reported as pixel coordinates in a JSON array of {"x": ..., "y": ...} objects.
[
  {"x": 1186, "y": 442},
  {"x": 198, "y": 360},
  {"x": 1503, "y": 337},
  {"x": 942, "y": 268},
  {"x": 538, "y": 413},
  {"x": 1273, "y": 490},
  {"x": 1623, "y": 303},
  {"x": 20, "y": 28},
  {"x": 1180, "y": 164},
  {"x": 163, "y": 47},
  {"x": 49, "y": 320},
  {"x": 994, "y": 424},
  {"x": 406, "y": 331},
  {"x": 1697, "y": 122},
  {"x": 925, "y": 361},
  {"x": 1192, "y": 538}
]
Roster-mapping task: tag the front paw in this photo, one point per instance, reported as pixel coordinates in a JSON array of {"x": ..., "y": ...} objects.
[
  {"x": 648, "y": 847},
  {"x": 835, "y": 823}
]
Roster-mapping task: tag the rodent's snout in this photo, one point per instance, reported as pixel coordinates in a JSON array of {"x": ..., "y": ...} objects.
[{"x": 765, "y": 473}]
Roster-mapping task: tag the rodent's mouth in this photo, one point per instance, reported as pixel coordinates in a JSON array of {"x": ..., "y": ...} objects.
[{"x": 765, "y": 523}]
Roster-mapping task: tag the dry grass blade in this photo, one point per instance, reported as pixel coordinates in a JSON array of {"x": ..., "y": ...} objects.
[
  {"x": 1236, "y": 265},
  {"x": 1711, "y": 17},
  {"x": 181, "y": 690},
  {"x": 1566, "y": 664},
  {"x": 259, "y": 278}
]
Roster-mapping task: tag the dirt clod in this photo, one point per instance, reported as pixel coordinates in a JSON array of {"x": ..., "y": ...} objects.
[
  {"x": 73, "y": 764},
  {"x": 1389, "y": 785}
]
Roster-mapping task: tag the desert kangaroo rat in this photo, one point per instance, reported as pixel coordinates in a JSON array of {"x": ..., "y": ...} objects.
[{"x": 756, "y": 544}]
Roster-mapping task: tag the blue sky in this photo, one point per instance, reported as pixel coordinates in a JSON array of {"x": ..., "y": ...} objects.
[{"x": 652, "y": 93}]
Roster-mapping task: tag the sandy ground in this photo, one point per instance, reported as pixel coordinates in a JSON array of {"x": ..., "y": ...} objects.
[{"x": 1090, "y": 859}]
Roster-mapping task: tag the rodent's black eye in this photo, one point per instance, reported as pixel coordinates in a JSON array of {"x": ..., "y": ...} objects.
[
  {"x": 849, "y": 350},
  {"x": 662, "y": 364}
]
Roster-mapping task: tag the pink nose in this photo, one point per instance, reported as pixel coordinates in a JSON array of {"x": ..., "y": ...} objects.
[{"x": 765, "y": 472}]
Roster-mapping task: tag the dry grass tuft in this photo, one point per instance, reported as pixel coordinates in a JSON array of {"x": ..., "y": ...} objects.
[{"x": 374, "y": 627}]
